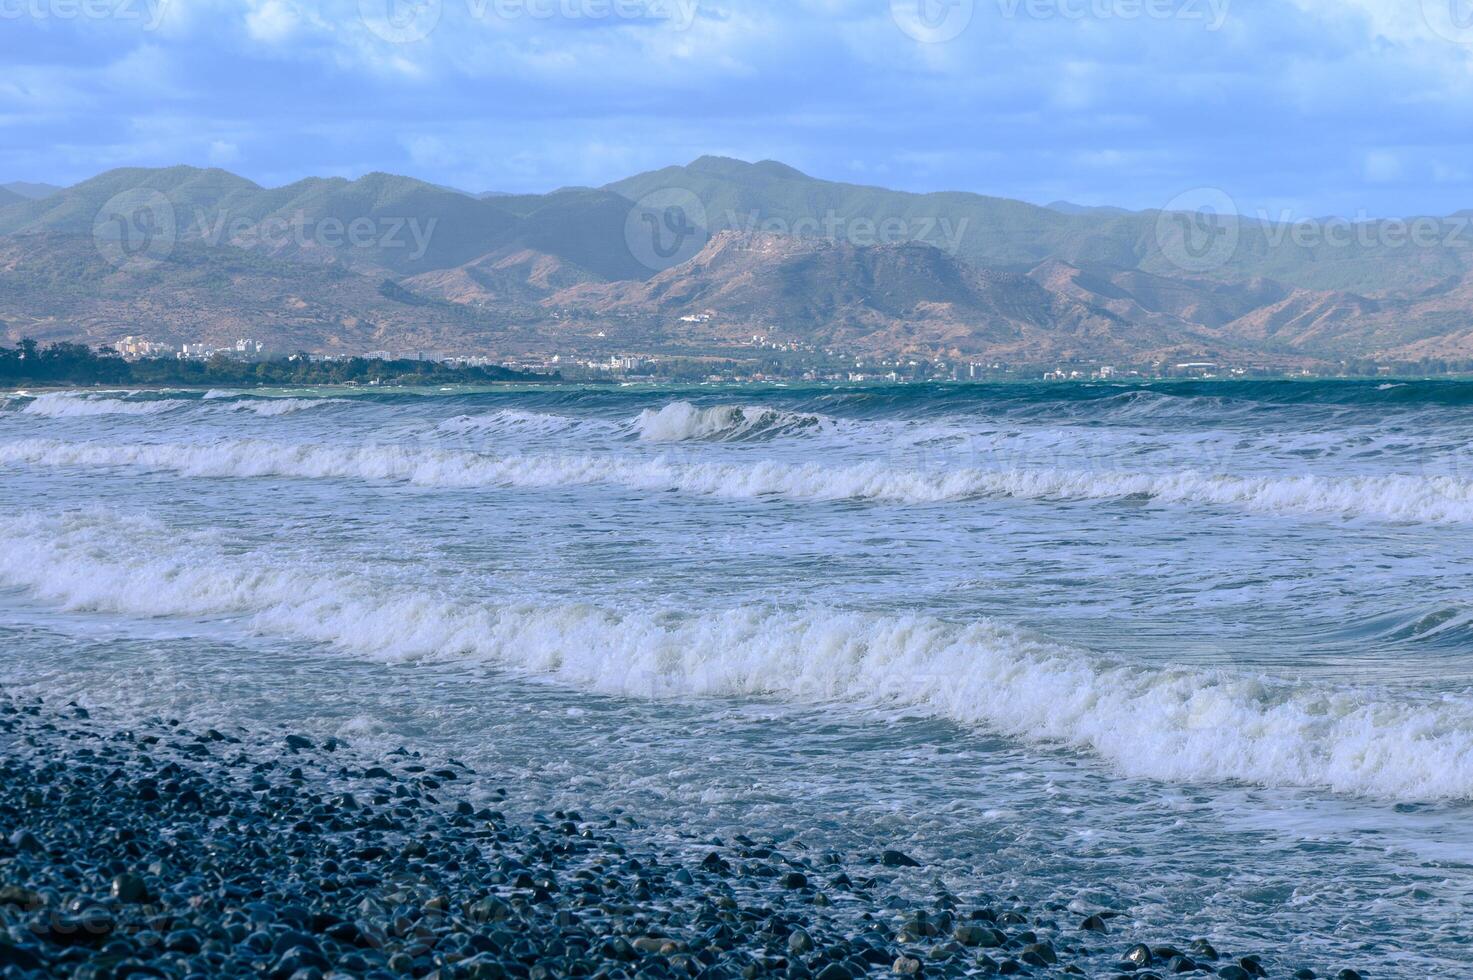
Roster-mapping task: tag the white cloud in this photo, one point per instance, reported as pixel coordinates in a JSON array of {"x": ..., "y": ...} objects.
[
  {"x": 1274, "y": 106},
  {"x": 272, "y": 22},
  {"x": 223, "y": 152}
]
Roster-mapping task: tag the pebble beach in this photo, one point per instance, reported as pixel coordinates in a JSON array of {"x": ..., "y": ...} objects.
[{"x": 160, "y": 850}]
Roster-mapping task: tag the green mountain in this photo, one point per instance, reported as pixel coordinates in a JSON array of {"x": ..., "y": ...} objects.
[
  {"x": 76, "y": 210},
  {"x": 29, "y": 190},
  {"x": 379, "y": 221},
  {"x": 1068, "y": 207}
]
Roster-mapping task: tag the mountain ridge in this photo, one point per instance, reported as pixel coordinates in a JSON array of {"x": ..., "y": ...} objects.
[
  {"x": 764, "y": 248},
  {"x": 30, "y": 190}
]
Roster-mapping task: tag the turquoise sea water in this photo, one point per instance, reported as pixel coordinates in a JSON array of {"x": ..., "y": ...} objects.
[{"x": 1200, "y": 652}]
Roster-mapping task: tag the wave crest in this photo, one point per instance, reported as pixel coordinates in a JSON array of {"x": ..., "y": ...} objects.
[
  {"x": 1409, "y": 498},
  {"x": 272, "y": 407},
  {"x": 74, "y": 404},
  {"x": 520, "y": 422},
  {"x": 1175, "y": 724},
  {"x": 681, "y": 421}
]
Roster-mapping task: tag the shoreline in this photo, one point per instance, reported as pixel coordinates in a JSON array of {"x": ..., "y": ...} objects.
[
  {"x": 157, "y": 850},
  {"x": 1288, "y": 381}
]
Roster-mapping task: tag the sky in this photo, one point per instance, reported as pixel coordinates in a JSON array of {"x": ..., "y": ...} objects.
[{"x": 1289, "y": 108}]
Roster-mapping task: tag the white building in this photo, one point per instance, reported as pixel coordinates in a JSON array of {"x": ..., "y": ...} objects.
[{"x": 136, "y": 347}]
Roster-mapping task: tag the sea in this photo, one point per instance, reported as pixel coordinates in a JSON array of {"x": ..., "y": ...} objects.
[{"x": 1199, "y": 653}]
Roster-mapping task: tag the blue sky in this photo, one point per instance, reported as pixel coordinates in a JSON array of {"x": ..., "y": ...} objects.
[{"x": 1291, "y": 107}]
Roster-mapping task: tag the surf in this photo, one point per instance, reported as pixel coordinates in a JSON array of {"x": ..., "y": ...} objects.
[
  {"x": 1413, "y": 498},
  {"x": 1177, "y": 724}
]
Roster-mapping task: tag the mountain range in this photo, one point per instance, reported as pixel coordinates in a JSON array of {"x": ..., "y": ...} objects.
[{"x": 700, "y": 258}]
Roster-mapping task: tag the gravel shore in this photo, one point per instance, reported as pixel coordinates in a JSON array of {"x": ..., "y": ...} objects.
[{"x": 152, "y": 850}]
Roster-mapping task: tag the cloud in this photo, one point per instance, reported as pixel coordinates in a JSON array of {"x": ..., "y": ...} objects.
[
  {"x": 1319, "y": 105},
  {"x": 273, "y": 21},
  {"x": 223, "y": 152}
]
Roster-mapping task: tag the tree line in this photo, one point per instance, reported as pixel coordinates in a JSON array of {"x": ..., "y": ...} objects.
[{"x": 77, "y": 364}]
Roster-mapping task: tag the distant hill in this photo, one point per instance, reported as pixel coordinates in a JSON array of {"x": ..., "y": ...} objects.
[
  {"x": 408, "y": 225},
  {"x": 881, "y": 298},
  {"x": 767, "y": 249},
  {"x": 1005, "y": 234},
  {"x": 1065, "y": 207},
  {"x": 60, "y": 287},
  {"x": 30, "y": 191}
]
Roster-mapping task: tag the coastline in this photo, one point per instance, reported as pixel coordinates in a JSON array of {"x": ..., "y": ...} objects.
[{"x": 159, "y": 850}]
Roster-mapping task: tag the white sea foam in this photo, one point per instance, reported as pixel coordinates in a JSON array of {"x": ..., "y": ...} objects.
[
  {"x": 681, "y": 421},
  {"x": 73, "y": 404},
  {"x": 1192, "y": 725},
  {"x": 520, "y": 422},
  {"x": 270, "y": 407},
  {"x": 1390, "y": 497},
  {"x": 676, "y": 422}
]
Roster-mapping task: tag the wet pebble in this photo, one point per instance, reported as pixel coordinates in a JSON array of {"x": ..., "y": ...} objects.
[{"x": 152, "y": 850}]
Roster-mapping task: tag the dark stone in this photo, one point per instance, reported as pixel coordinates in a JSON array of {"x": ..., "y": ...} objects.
[
  {"x": 896, "y": 859},
  {"x": 131, "y": 889},
  {"x": 296, "y": 959},
  {"x": 1094, "y": 924},
  {"x": 291, "y": 940},
  {"x": 483, "y": 966},
  {"x": 1139, "y": 955},
  {"x": 972, "y": 934},
  {"x": 19, "y": 957},
  {"x": 19, "y": 897},
  {"x": 1204, "y": 950},
  {"x": 1251, "y": 965},
  {"x": 907, "y": 966},
  {"x": 91, "y": 928},
  {"x": 619, "y": 948},
  {"x": 26, "y": 842}
]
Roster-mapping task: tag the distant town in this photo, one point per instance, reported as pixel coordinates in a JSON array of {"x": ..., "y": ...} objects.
[{"x": 765, "y": 360}]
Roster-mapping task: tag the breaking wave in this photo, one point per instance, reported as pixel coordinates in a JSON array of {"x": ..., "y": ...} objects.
[
  {"x": 678, "y": 421},
  {"x": 1395, "y": 497},
  {"x": 270, "y": 407},
  {"x": 681, "y": 421},
  {"x": 519, "y": 422},
  {"x": 72, "y": 404},
  {"x": 1176, "y": 724}
]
